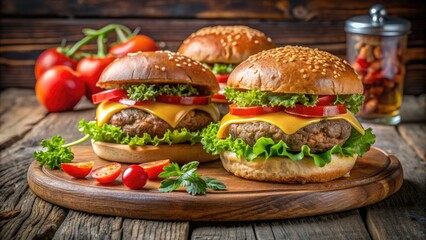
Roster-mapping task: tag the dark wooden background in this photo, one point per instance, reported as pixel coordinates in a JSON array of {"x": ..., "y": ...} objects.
[{"x": 29, "y": 27}]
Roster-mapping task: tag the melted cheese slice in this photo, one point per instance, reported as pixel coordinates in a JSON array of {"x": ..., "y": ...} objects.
[
  {"x": 170, "y": 113},
  {"x": 288, "y": 123}
]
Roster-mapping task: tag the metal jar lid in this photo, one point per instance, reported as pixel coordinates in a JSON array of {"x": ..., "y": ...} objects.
[{"x": 377, "y": 23}]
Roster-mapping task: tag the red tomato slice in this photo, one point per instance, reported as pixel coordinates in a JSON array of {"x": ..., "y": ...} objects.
[
  {"x": 325, "y": 100},
  {"x": 219, "y": 98},
  {"x": 154, "y": 168},
  {"x": 250, "y": 111},
  {"x": 191, "y": 100},
  {"x": 222, "y": 78},
  {"x": 108, "y": 94},
  {"x": 77, "y": 170},
  {"x": 108, "y": 173},
  {"x": 317, "y": 111}
]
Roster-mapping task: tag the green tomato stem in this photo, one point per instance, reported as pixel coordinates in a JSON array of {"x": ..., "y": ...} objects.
[
  {"x": 81, "y": 140},
  {"x": 121, "y": 37},
  {"x": 101, "y": 46}
]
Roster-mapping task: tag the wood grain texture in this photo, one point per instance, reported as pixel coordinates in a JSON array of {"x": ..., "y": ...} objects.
[
  {"x": 101, "y": 227},
  {"x": 265, "y": 9},
  {"x": 21, "y": 41},
  {"x": 415, "y": 135},
  {"x": 344, "y": 225},
  {"x": 409, "y": 204},
  {"x": 16, "y": 106},
  {"x": 374, "y": 177},
  {"x": 225, "y": 231}
]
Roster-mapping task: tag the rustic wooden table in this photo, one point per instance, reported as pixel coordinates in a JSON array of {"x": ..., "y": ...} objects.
[{"x": 23, "y": 124}]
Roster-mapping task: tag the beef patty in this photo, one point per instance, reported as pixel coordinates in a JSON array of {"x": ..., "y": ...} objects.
[
  {"x": 137, "y": 122},
  {"x": 319, "y": 136}
]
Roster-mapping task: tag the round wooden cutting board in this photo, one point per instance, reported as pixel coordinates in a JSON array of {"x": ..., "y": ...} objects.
[{"x": 375, "y": 176}]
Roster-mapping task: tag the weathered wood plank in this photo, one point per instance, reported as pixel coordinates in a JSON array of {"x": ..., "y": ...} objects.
[
  {"x": 225, "y": 231},
  {"x": 268, "y": 9},
  {"x": 21, "y": 41},
  {"x": 415, "y": 135},
  {"x": 344, "y": 225},
  {"x": 402, "y": 215},
  {"x": 79, "y": 225},
  {"x": 19, "y": 112}
]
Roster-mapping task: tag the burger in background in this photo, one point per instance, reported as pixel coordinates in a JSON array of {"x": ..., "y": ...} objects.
[
  {"x": 292, "y": 118},
  {"x": 155, "y": 108},
  {"x": 222, "y": 48}
]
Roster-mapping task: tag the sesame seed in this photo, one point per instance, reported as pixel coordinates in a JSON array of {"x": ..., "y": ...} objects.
[
  {"x": 256, "y": 71},
  {"x": 203, "y": 69},
  {"x": 256, "y": 41},
  {"x": 189, "y": 64},
  {"x": 314, "y": 70},
  {"x": 178, "y": 65},
  {"x": 163, "y": 69},
  {"x": 269, "y": 39},
  {"x": 157, "y": 67},
  {"x": 302, "y": 70},
  {"x": 305, "y": 76},
  {"x": 234, "y": 43},
  {"x": 323, "y": 73},
  {"x": 184, "y": 63}
]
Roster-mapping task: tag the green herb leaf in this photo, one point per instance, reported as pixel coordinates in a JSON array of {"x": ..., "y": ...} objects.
[
  {"x": 187, "y": 177},
  {"x": 54, "y": 153},
  {"x": 143, "y": 92},
  {"x": 266, "y": 147}
]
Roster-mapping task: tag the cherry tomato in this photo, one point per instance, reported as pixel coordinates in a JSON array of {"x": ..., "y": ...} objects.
[
  {"x": 325, "y": 100},
  {"x": 108, "y": 94},
  {"x": 107, "y": 174},
  {"x": 153, "y": 169},
  {"x": 317, "y": 111},
  {"x": 134, "y": 177},
  {"x": 78, "y": 170},
  {"x": 222, "y": 78},
  {"x": 59, "y": 89},
  {"x": 134, "y": 44},
  {"x": 52, "y": 57},
  {"x": 90, "y": 69},
  {"x": 191, "y": 100},
  {"x": 250, "y": 111}
]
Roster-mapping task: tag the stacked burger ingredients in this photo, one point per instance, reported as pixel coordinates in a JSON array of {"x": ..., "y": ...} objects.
[{"x": 292, "y": 118}]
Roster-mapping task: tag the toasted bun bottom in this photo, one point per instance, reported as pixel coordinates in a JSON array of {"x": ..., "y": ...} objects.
[
  {"x": 285, "y": 170},
  {"x": 179, "y": 153}
]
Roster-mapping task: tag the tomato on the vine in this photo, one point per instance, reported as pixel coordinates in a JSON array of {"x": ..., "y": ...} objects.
[
  {"x": 108, "y": 173},
  {"x": 52, "y": 57},
  {"x": 59, "y": 89},
  {"x": 317, "y": 111},
  {"x": 78, "y": 170},
  {"x": 251, "y": 111},
  {"x": 153, "y": 169},
  {"x": 134, "y": 44},
  {"x": 90, "y": 69},
  {"x": 134, "y": 177}
]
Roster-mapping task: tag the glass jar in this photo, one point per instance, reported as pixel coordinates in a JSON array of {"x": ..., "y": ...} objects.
[{"x": 375, "y": 48}]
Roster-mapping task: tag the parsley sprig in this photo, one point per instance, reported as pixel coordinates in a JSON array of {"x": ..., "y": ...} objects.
[
  {"x": 56, "y": 151},
  {"x": 187, "y": 177}
]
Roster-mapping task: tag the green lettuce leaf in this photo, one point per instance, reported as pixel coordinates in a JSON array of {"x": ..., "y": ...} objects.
[
  {"x": 113, "y": 134},
  {"x": 221, "y": 68},
  {"x": 352, "y": 102},
  {"x": 255, "y": 97},
  {"x": 266, "y": 147},
  {"x": 143, "y": 92}
]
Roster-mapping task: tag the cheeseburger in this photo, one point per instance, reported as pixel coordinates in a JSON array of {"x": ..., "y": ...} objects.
[
  {"x": 292, "y": 118},
  {"x": 155, "y": 108},
  {"x": 222, "y": 48}
]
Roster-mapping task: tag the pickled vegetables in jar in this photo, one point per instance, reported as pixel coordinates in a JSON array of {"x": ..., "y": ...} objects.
[{"x": 375, "y": 48}]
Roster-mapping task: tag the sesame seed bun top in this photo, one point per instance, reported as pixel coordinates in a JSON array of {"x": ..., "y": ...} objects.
[
  {"x": 293, "y": 69},
  {"x": 225, "y": 44},
  {"x": 161, "y": 67}
]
